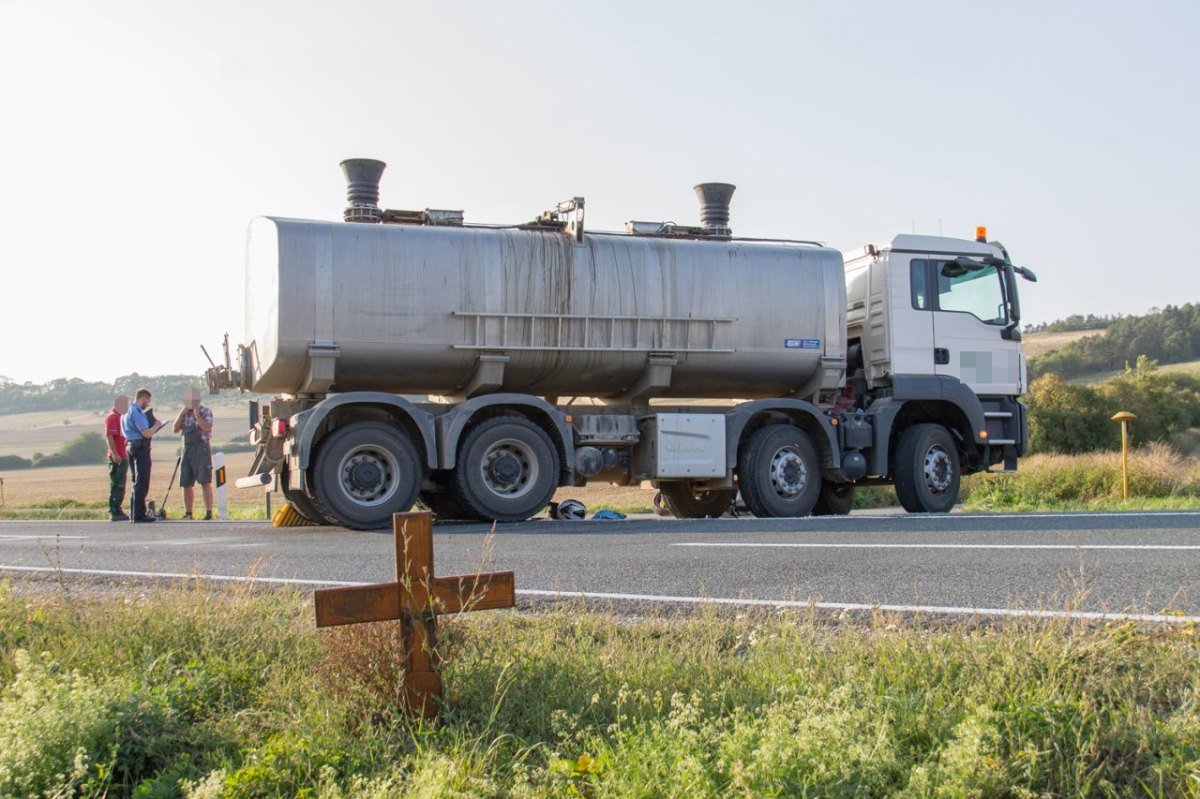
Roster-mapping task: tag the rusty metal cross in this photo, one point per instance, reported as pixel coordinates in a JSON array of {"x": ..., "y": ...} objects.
[{"x": 415, "y": 599}]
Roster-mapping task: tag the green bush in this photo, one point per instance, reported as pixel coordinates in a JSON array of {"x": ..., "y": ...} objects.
[
  {"x": 85, "y": 448},
  {"x": 55, "y": 729},
  {"x": 1066, "y": 418},
  {"x": 1077, "y": 418},
  {"x": 14, "y": 462}
]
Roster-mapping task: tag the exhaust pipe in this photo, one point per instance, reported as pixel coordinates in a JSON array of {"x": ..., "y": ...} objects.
[
  {"x": 362, "y": 189},
  {"x": 714, "y": 206}
]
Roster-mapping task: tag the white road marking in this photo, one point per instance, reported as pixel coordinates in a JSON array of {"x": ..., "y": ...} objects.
[
  {"x": 1046, "y": 515},
  {"x": 848, "y": 545},
  {"x": 40, "y": 536},
  {"x": 929, "y": 609},
  {"x": 685, "y": 600},
  {"x": 222, "y": 578},
  {"x": 180, "y": 542}
]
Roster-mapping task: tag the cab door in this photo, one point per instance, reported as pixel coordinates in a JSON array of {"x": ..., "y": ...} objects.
[
  {"x": 970, "y": 314},
  {"x": 910, "y": 307}
]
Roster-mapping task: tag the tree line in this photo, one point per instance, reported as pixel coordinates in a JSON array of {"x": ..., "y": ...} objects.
[
  {"x": 1169, "y": 335},
  {"x": 1072, "y": 323},
  {"x": 72, "y": 393}
]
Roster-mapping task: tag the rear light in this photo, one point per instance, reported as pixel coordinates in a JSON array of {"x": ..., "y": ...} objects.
[{"x": 279, "y": 427}]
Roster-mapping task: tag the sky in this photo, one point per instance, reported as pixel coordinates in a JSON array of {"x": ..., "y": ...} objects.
[{"x": 137, "y": 140}]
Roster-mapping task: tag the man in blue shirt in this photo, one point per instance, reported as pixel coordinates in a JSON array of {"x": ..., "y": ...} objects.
[{"x": 139, "y": 429}]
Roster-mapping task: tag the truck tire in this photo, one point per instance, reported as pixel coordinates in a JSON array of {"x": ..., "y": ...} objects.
[
  {"x": 300, "y": 501},
  {"x": 365, "y": 472},
  {"x": 926, "y": 469},
  {"x": 779, "y": 472},
  {"x": 685, "y": 503},
  {"x": 836, "y": 499},
  {"x": 507, "y": 470}
]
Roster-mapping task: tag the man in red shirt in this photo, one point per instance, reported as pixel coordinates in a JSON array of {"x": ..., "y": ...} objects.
[{"x": 118, "y": 462}]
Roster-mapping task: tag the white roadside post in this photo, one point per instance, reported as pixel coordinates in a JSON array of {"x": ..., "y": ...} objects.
[{"x": 222, "y": 489}]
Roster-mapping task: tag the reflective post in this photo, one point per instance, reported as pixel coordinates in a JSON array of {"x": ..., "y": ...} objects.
[
  {"x": 221, "y": 487},
  {"x": 1124, "y": 417}
]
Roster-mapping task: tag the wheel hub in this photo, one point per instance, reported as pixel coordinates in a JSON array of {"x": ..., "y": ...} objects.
[
  {"x": 505, "y": 470},
  {"x": 789, "y": 474},
  {"x": 938, "y": 470},
  {"x": 369, "y": 475},
  {"x": 365, "y": 475},
  {"x": 509, "y": 468}
]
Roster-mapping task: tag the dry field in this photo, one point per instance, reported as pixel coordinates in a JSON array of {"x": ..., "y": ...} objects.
[
  {"x": 26, "y": 433},
  {"x": 25, "y": 488},
  {"x": 46, "y": 431},
  {"x": 1041, "y": 343}
]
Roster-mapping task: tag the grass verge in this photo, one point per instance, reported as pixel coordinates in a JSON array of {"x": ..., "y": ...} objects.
[
  {"x": 1159, "y": 479},
  {"x": 187, "y": 692}
]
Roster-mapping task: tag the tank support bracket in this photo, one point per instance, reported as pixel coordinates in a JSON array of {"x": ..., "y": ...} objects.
[
  {"x": 654, "y": 378},
  {"x": 322, "y": 367},
  {"x": 489, "y": 375}
]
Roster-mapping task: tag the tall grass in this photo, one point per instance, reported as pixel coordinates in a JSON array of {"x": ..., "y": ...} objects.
[
  {"x": 186, "y": 692},
  {"x": 1156, "y": 472}
]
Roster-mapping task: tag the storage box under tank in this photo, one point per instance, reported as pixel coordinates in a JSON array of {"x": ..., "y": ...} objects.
[{"x": 681, "y": 445}]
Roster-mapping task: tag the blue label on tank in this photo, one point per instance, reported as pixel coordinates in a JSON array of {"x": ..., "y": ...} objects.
[{"x": 802, "y": 343}]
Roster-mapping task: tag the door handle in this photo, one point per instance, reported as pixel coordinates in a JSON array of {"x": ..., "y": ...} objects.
[{"x": 941, "y": 356}]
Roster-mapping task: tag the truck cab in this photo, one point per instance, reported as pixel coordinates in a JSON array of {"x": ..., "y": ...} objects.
[
  {"x": 918, "y": 312},
  {"x": 931, "y": 316}
]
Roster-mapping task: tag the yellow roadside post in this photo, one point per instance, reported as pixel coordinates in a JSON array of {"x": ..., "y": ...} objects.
[{"x": 1124, "y": 417}]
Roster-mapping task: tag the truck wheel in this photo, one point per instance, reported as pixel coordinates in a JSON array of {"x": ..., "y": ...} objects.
[
  {"x": 684, "y": 502},
  {"x": 301, "y": 501},
  {"x": 926, "y": 471},
  {"x": 779, "y": 473},
  {"x": 507, "y": 470},
  {"x": 836, "y": 499},
  {"x": 365, "y": 472}
]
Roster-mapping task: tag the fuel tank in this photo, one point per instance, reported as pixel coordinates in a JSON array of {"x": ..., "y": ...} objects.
[{"x": 456, "y": 311}]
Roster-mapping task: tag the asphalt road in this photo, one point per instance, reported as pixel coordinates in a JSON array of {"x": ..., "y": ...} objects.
[{"x": 1106, "y": 563}]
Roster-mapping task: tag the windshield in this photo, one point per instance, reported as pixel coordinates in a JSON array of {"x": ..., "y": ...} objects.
[{"x": 977, "y": 293}]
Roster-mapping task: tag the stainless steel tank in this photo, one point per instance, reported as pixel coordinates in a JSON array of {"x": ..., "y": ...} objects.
[{"x": 452, "y": 311}]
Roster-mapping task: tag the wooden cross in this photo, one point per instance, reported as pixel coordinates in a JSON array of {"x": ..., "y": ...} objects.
[{"x": 415, "y": 598}]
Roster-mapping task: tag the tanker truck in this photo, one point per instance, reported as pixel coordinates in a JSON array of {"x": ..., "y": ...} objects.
[{"x": 477, "y": 368}]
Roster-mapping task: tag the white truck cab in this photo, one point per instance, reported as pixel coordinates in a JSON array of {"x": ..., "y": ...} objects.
[{"x": 935, "y": 306}]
